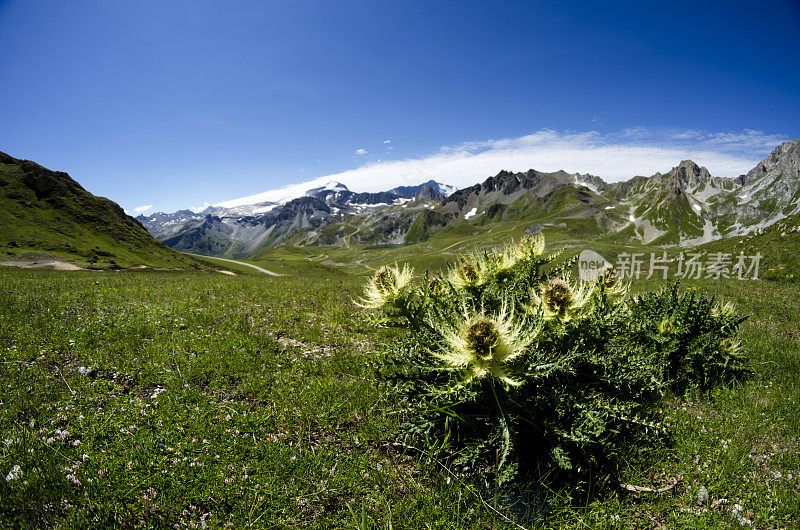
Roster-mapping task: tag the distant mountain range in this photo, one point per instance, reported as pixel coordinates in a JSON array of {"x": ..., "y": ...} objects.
[
  {"x": 240, "y": 230},
  {"x": 47, "y": 210},
  {"x": 684, "y": 206}
]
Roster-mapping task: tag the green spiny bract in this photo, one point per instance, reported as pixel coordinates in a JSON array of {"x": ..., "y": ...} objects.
[{"x": 520, "y": 371}]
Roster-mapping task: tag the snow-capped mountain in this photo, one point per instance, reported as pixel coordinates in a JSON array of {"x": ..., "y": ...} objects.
[{"x": 243, "y": 227}]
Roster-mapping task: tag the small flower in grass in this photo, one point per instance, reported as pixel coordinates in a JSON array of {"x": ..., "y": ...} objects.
[
  {"x": 14, "y": 474},
  {"x": 387, "y": 285},
  {"x": 485, "y": 345},
  {"x": 560, "y": 300}
]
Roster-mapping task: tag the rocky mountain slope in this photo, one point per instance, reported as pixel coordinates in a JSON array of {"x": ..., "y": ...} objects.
[
  {"x": 685, "y": 206},
  {"x": 47, "y": 211}
]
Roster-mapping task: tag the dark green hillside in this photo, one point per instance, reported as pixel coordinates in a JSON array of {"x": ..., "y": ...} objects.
[{"x": 47, "y": 211}]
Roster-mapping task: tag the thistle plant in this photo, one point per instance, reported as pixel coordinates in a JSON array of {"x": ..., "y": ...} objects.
[
  {"x": 507, "y": 356},
  {"x": 694, "y": 337}
]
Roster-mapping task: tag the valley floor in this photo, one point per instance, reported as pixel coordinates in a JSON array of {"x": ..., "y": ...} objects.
[{"x": 162, "y": 398}]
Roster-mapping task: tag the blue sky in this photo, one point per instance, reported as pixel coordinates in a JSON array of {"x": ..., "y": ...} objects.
[{"x": 176, "y": 104}]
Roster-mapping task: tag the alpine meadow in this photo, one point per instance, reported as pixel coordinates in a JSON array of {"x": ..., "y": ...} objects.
[{"x": 413, "y": 266}]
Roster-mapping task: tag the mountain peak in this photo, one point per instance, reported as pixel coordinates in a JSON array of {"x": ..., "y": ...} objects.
[
  {"x": 335, "y": 186},
  {"x": 428, "y": 192},
  {"x": 786, "y": 157},
  {"x": 689, "y": 174},
  {"x": 411, "y": 191},
  {"x": 331, "y": 188}
]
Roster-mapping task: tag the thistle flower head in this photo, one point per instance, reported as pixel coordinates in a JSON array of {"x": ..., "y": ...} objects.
[
  {"x": 484, "y": 345},
  {"x": 560, "y": 300},
  {"x": 725, "y": 310},
  {"x": 383, "y": 279},
  {"x": 732, "y": 347},
  {"x": 612, "y": 285},
  {"x": 504, "y": 259},
  {"x": 482, "y": 337},
  {"x": 470, "y": 272},
  {"x": 666, "y": 328},
  {"x": 386, "y": 286},
  {"x": 435, "y": 285},
  {"x": 530, "y": 246},
  {"x": 557, "y": 295}
]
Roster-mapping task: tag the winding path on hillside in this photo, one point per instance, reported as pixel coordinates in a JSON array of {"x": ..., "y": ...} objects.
[{"x": 256, "y": 267}]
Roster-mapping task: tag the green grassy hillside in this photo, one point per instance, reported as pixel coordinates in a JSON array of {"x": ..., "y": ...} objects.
[
  {"x": 779, "y": 245},
  {"x": 46, "y": 211}
]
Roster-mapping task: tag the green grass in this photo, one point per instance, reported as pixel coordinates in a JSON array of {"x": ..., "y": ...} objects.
[
  {"x": 779, "y": 245},
  {"x": 271, "y": 415}
]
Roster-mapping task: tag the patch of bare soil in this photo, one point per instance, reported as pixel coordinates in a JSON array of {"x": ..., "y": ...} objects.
[{"x": 34, "y": 260}]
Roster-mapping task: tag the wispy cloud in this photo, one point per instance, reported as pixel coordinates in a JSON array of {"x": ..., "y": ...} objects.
[
  {"x": 142, "y": 209},
  {"x": 613, "y": 156},
  {"x": 361, "y": 152},
  {"x": 387, "y": 141},
  {"x": 198, "y": 209}
]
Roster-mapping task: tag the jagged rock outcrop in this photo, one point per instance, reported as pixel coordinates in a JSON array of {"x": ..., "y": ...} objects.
[{"x": 784, "y": 159}]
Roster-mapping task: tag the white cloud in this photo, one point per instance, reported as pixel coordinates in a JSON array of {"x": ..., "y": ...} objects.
[
  {"x": 198, "y": 209},
  {"x": 387, "y": 141},
  {"x": 612, "y": 156},
  {"x": 142, "y": 209},
  {"x": 361, "y": 152}
]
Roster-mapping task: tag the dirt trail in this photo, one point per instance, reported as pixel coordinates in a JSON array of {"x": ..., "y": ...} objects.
[{"x": 256, "y": 267}]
